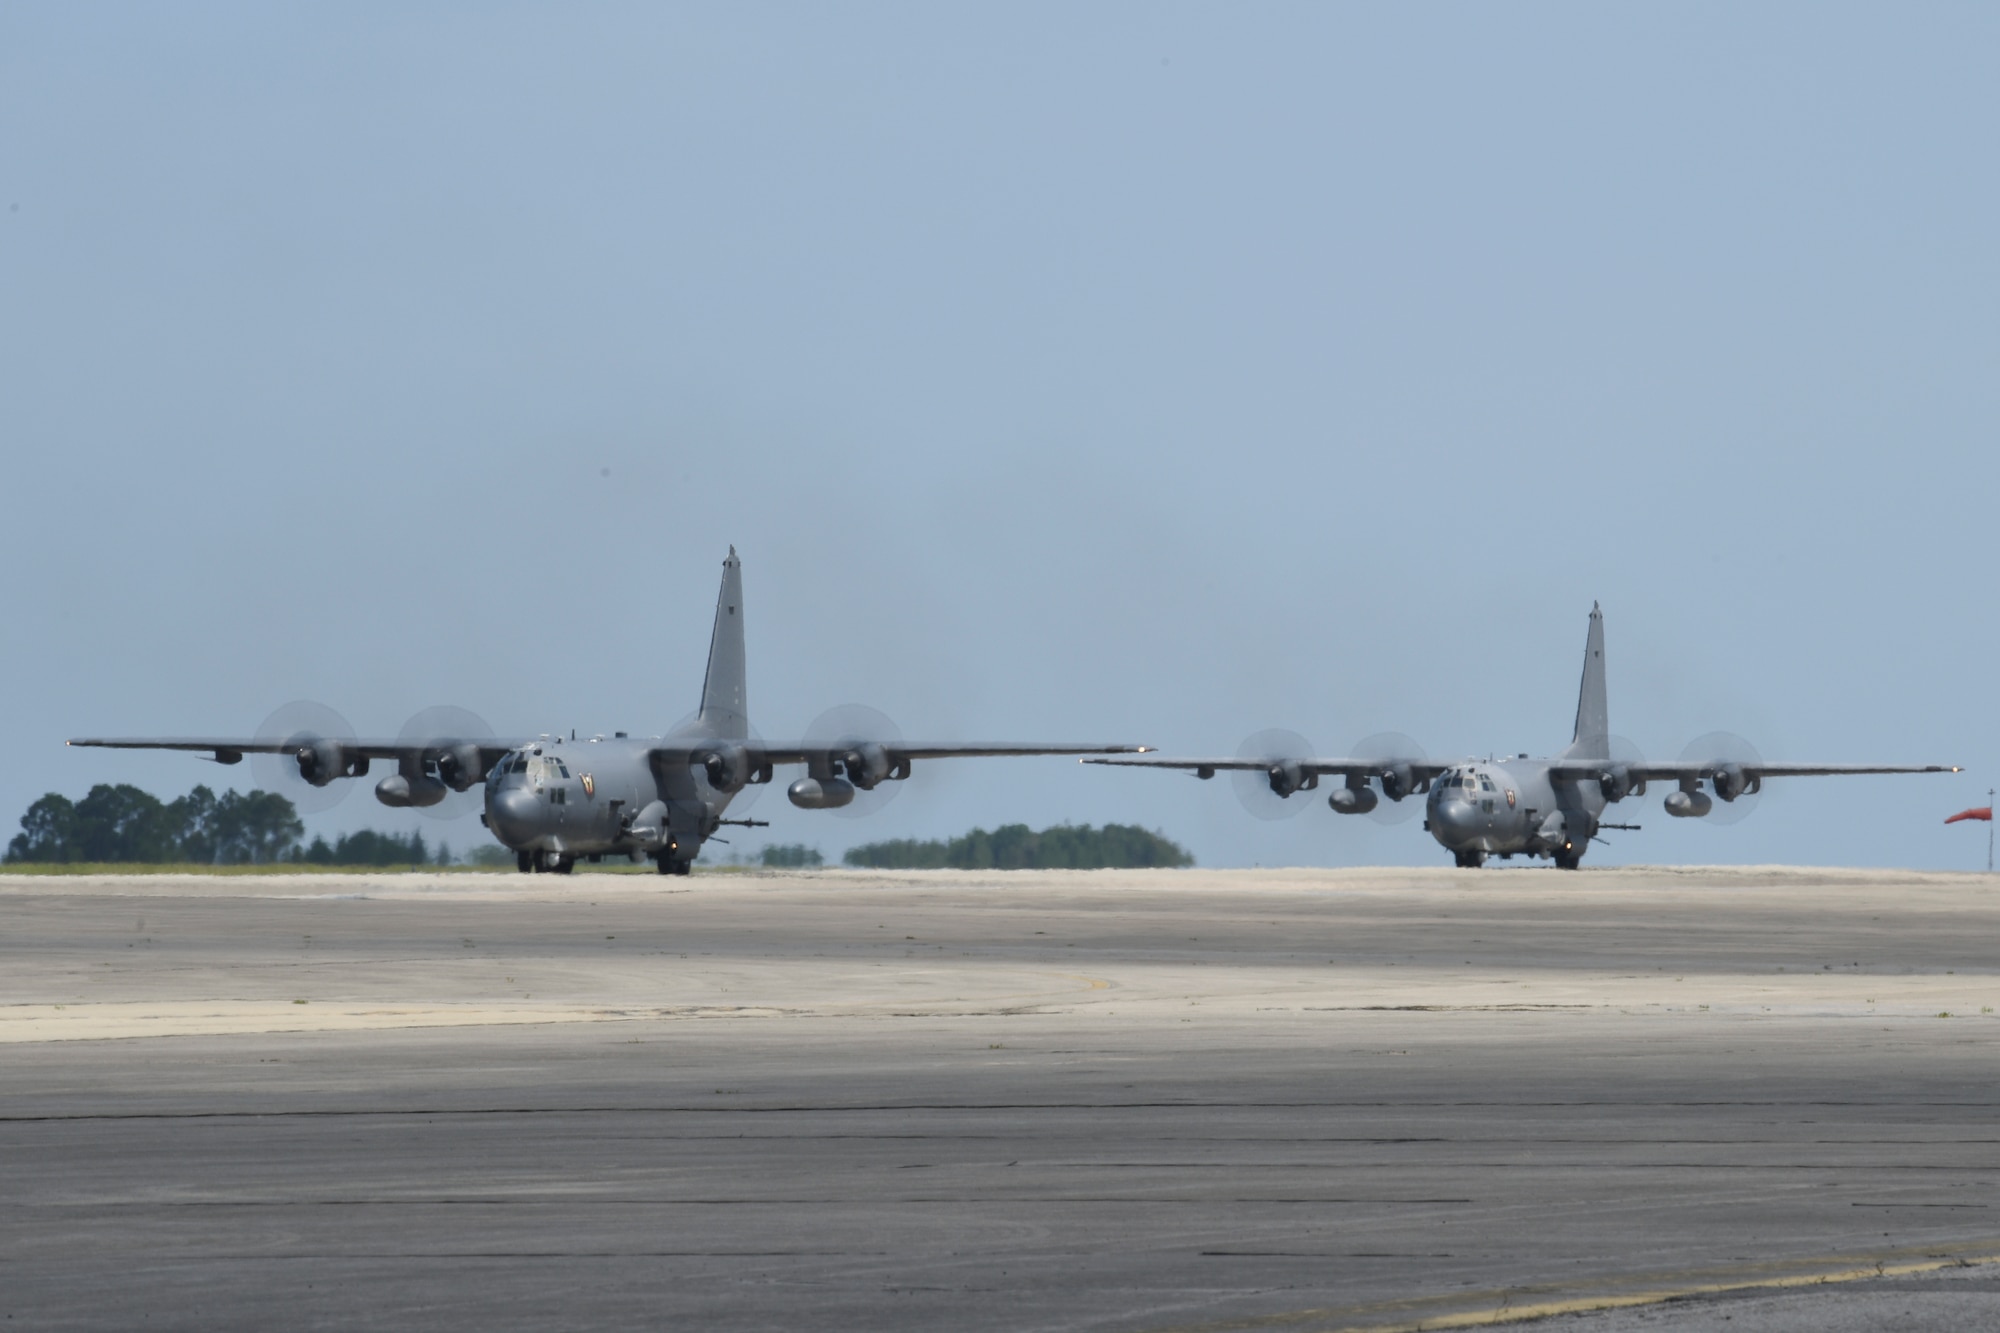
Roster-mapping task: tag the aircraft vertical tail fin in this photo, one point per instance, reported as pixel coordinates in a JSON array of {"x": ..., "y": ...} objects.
[
  {"x": 725, "y": 709},
  {"x": 1593, "y": 712}
]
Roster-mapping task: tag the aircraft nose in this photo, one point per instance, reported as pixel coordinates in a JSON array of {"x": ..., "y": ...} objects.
[
  {"x": 512, "y": 813},
  {"x": 1455, "y": 822}
]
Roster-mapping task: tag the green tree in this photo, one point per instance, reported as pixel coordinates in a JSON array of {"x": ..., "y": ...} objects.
[
  {"x": 122, "y": 823},
  {"x": 192, "y": 818},
  {"x": 366, "y": 847},
  {"x": 48, "y": 831},
  {"x": 790, "y": 856},
  {"x": 1017, "y": 847},
  {"x": 255, "y": 829}
]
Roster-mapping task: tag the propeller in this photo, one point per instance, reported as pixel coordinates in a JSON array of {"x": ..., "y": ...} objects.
[
  {"x": 1728, "y": 748},
  {"x": 740, "y": 803},
  {"x": 434, "y": 727},
  {"x": 1389, "y": 746},
  {"x": 1275, "y": 791},
  {"x": 847, "y": 725},
  {"x": 316, "y": 730}
]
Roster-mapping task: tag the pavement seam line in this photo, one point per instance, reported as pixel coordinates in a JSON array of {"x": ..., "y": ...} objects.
[{"x": 1332, "y": 1321}]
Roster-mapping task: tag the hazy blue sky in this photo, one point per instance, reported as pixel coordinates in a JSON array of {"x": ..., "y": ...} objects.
[{"x": 1149, "y": 372}]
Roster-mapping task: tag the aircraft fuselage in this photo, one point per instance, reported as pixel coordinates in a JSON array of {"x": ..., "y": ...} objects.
[
  {"x": 1506, "y": 807},
  {"x": 559, "y": 800}
]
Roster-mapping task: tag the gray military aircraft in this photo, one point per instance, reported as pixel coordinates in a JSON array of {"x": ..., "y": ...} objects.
[
  {"x": 1520, "y": 805},
  {"x": 553, "y": 801}
]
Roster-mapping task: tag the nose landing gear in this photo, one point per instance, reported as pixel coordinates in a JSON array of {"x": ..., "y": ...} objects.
[
  {"x": 554, "y": 863},
  {"x": 1469, "y": 859}
]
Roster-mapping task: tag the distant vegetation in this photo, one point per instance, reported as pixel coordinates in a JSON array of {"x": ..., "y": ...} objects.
[
  {"x": 122, "y": 824},
  {"x": 791, "y": 856},
  {"x": 369, "y": 848},
  {"x": 1017, "y": 847}
]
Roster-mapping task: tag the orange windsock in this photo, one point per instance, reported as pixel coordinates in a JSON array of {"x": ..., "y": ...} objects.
[{"x": 1976, "y": 812}]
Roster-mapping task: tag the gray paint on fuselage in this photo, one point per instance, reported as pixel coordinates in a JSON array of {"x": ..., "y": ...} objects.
[
  {"x": 1489, "y": 821},
  {"x": 540, "y": 810}
]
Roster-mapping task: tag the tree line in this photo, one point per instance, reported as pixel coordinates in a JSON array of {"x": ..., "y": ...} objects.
[
  {"x": 125, "y": 824},
  {"x": 790, "y": 856},
  {"x": 1017, "y": 847}
]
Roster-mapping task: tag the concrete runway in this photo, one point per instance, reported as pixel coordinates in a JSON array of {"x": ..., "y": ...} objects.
[{"x": 1176, "y": 1100}]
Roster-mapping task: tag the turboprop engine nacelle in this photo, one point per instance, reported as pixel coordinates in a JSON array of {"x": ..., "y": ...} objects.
[
  {"x": 1730, "y": 782},
  {"x": 820, "y": 793},
  {"x": 1617, "y": 783},
  {"x": 868, "y": 764},
  {"x": 460, "y": 768},
  {"x": 1352, "y": 800},
  {"x": 1397, "y": 781},
  {"x": 1288, "y": 776},
  {"x": 729, "y": 769},
  {"x": 399, "y": 791},
  {"x": 321, "y": 761},
  {"x": 1688, "y": 804}
]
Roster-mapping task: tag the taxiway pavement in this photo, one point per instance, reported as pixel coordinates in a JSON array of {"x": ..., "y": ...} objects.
[{"x": 1110, "y": 1100}]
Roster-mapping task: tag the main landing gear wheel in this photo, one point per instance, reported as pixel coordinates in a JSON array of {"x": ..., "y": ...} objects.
[
  {"x": 1568, "y": 859},
  {"x": 1470, "y": 860},
  {"x": 673, "y": 866},
  {"x": 524, "y": 862}
]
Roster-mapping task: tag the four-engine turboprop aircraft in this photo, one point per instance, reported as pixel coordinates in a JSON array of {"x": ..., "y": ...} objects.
[
  {"x": 552, "y": 801},
  {"x": 1535, "y": 807}
]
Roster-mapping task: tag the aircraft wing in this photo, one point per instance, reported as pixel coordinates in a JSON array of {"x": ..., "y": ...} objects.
[
  {"x": 799, "y": 751},
  {"x": 1423, "y": 770},
  {"x": 231, "y": 749},
  {"x": 683, "y": 749},
  {"x": 1674, "y": 771}
]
